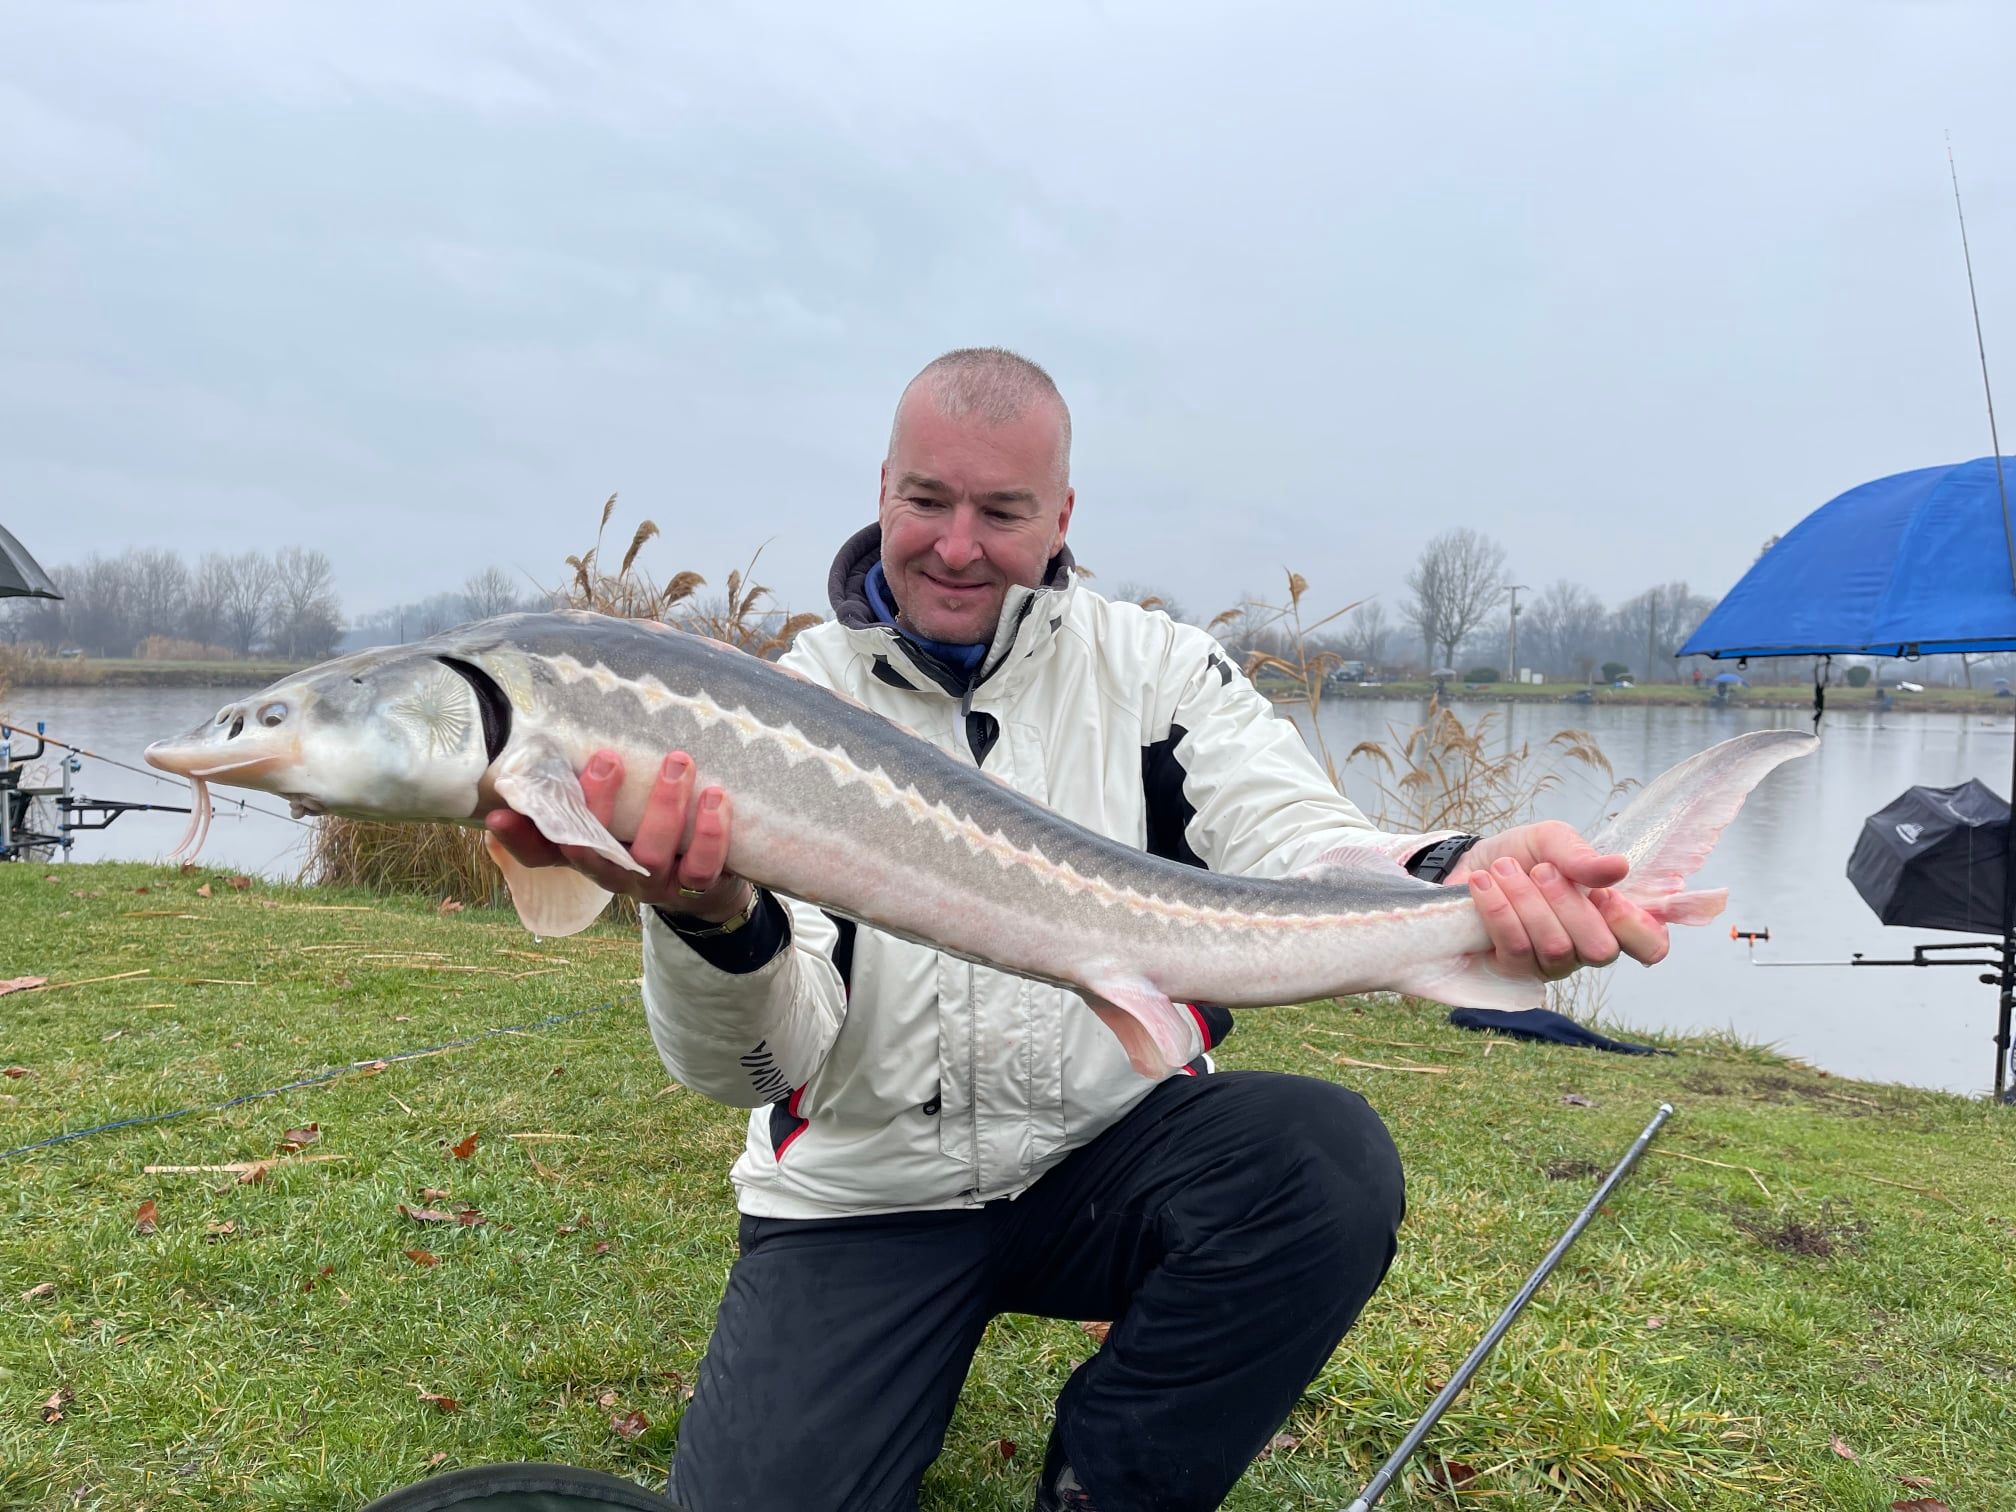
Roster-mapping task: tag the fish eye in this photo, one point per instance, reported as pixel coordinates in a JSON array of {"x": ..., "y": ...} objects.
[{"x": 272, "y": 714}]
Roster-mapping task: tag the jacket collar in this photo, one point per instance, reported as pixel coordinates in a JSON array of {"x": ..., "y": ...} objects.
[{"x": 1029, "y": 616}]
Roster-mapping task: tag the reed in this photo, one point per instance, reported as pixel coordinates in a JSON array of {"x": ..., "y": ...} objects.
[{"x": 446, "y": 861}]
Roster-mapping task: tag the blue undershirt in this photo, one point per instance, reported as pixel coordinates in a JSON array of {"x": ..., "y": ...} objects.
[{"x": 966, "y": 658}]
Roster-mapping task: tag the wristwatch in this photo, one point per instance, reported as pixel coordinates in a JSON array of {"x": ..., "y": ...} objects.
[
  {"x": 692, "y": 928},
  {"x": 1436, "y": 862}
]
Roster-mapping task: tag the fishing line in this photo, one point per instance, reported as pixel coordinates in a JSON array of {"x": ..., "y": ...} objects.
[
  {"x": 64, "y": 745},
  {"x": 306, "y": 1081}
]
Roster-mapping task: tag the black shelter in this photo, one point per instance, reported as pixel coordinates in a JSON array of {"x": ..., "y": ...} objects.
[{"x": 1936, "y": 858}]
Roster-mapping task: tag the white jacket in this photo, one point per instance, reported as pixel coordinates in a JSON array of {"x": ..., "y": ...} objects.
[{"x": 884, "y": 1076}]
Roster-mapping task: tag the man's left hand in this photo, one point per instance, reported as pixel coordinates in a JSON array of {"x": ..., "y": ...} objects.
[{"x": 1548, "y": 900}]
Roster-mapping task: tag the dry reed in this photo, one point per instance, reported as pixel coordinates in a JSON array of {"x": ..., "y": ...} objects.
[{"x": 448, "y": 860}]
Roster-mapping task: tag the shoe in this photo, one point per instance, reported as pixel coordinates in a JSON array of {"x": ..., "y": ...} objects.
[{"x": 1059, "y": 1490}]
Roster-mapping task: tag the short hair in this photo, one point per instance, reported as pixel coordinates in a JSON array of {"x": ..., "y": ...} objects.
[{"x": 994, "y": 385}]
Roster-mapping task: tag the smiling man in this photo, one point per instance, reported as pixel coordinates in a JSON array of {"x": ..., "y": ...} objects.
[{"x": 934, "y": 1143}]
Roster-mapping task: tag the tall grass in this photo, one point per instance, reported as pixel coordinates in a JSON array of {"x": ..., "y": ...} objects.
[{"x": 447, "y": 861}]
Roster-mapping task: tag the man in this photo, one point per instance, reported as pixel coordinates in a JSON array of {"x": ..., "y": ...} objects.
[{"x": 934, "y": 1143}]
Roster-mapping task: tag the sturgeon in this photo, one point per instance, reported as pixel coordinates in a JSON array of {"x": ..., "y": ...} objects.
[{"x": 844, "y": 809}]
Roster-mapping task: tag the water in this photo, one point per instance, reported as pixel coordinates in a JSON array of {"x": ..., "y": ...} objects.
[{"x": 1783, "y": 862}]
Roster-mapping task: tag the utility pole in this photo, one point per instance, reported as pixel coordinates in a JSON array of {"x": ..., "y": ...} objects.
[
  {"x": 1515, "y": 589},
  {"x": 1651, "y": 631}
]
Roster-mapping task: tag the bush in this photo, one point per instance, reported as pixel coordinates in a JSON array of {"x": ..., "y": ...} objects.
[
  {"x": 1858, "y": 677},
  {"x": 1614, "y": 670},
  {"x": 1481, "y": 675}
]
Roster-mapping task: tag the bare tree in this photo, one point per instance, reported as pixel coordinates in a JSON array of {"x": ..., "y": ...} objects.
[
  {"x": 209, "y": 588},
  {"x": 307, "y": 617},
  {"x": 248, "y": 605},
  {"x": 1567, "y": 629},
  {"x": 1133, "y": 592},
  {"x": 1455, "y": 585},
  {"x": 1647, "y": 630},
  {"x": 1365, "y": 632},
  {"x": 157, "y": 590},
  {"x": 489, "y": 592}
]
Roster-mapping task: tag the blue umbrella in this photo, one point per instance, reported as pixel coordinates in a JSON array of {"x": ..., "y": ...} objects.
[
  {"x": 1909, "y": 565},
  {"x": 1731, "y": 678},
  {"x": 1904, "y": 566}
]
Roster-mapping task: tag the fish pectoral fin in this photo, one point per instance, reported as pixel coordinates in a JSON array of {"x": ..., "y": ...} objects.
[
  {"x": 552, "y": 901},
  {"x": 1157, "y": 1035},
  {"x": 1470, "y": 981},
  {"x": 538, "y": 781},
  {"x": 1344, "y": 863}
]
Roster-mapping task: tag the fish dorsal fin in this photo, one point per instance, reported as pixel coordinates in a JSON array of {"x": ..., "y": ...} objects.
[
  {"x": 1157, "y": 1035},
  {"x": 552, "y": 901},
  {"x": 1344, "y": 863},
  {"x": 538, "y": 781}
]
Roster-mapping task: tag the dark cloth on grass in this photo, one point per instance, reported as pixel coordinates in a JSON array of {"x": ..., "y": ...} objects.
[
  {"x": 1231, "y": 1227},
  {"x": 1545, "y": 1024}
]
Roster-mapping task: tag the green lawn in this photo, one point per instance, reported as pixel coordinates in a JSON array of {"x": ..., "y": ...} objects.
[{"x": 1833, "y": 1259}]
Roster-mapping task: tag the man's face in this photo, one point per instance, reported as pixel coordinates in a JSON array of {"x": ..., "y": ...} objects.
[{"x": 967, "y": 509}]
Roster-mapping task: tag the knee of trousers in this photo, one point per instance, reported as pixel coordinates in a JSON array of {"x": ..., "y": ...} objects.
[{"x": 1341, "y": 1156}]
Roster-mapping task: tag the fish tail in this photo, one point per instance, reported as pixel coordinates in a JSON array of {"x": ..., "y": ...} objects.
[{"x": 1668, "y": 829}]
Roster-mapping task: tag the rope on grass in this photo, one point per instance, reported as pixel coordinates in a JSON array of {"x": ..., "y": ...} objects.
[{"x": 307, "y": 1081}]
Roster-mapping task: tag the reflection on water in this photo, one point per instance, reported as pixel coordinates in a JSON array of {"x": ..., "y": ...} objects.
[{"x": 1783, "y": 860}]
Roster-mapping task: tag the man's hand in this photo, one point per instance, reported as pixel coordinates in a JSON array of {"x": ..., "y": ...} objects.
[
  {"x": 1547, "y": 899},
  {"x": 684, "y": 877}
]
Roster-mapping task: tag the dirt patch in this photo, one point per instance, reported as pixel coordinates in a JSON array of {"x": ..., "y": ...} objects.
[
  {"x": 1818, "y": 1238},
  {"x": 1575, "y": 1170}
]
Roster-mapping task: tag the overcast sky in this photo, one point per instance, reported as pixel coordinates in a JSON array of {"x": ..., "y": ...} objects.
[{"x": 1629, "y": 287}]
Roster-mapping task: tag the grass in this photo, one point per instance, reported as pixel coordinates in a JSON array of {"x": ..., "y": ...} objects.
[
  {"x": 129, "y": 672},
  {"x": 1828, "y": 1260}
]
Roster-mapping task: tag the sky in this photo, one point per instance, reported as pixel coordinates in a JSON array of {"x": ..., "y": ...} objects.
[{"x": 1629, "y": 288}]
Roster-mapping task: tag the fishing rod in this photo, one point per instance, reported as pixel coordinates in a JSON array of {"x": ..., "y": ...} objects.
[
  {"x": 1981, "y": 346},
  {"x": 1376, "y": 1487}
]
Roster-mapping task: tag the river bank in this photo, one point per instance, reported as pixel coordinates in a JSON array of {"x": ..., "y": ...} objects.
[
  {"x": 123, "y": 672},
  {"x": 1840, "y": 698},
  {"x": 1802, "y": 1261}
]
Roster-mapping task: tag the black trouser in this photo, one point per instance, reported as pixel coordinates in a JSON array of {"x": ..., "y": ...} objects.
[{"x": 1232, "y": 1226}]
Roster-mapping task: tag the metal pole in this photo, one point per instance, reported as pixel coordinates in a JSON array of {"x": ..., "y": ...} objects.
[
  {"x": 1376, "y": 1487},
  {"x": 2008, "y": 973}
]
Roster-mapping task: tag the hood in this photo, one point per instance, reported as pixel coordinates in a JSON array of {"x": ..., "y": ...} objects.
[{"x": 847, "y": 591}]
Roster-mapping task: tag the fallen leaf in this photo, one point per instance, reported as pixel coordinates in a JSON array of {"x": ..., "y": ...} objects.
[
  {"x": 143, "y": 889},
  {"x": 215, "y": 1231},
  {"x": 15, "y": 1073},
  {"x": 321, "y": 1275},
  {"x": 21, "y": 984},
  {"x": 436, "y": 1457},
  {"x": 301, "y": 1138},
  {"x": 240, "y": 883},
  {"x": 470, "y": 1218},
  {"x": 429, "y": 1194},
  {"x": 436, "y": 1400},
  {"x": 1841, "y": 1448},
  {"x": 402, "y": 1018},
  {"x": 1450, "y": 1474},
  {"x": 603, "y": 1246},
  {"x": 465, "y": 1149},
  {"x": 38, "y": 1291},
  {"x": 107, "y": 1039},
  {"x": 145, "y": 1220},
  {"x": 1915, "y": 1482},
  {"x": 425, "y": 1215},
  {"x": 1097, "y": 1330},
  {"x": 556, "y": 1071},
  {"x": 422, "y": 1257},
  {"x": 203, "y": 891},
  {"x": 52, "y": 1410},
  {"x": 1281, "y": 1443},
  {"x": 1920, "y": 1504},
  {"x": 630, "y": 1424},
  {"x": 253, "y": 1174},
  {"x": 607, "y": 1399},
  {"x": 1005, "y": 1448},
  {"x": 450, "y": 906},
  {"x": 1577, "y": 1100},
  {"x": 1655, "y": 1322}
]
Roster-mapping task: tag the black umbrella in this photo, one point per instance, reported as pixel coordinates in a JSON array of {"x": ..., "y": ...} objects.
[
  {"x": 21, "y": 576},
  {"x": 1935, "y": 859}
]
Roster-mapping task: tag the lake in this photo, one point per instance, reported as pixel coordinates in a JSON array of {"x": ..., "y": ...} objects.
[{"x": 1783, "y": 861}]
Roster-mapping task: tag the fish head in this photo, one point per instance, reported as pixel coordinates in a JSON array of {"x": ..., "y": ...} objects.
[{"x": 398, "y": 733}]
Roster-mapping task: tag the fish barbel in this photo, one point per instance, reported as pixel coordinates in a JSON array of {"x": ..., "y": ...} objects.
[{"x": 841, "y": 808}]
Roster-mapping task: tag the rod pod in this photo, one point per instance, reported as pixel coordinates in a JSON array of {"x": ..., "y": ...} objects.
[{"x": 1376, "y": 1487}]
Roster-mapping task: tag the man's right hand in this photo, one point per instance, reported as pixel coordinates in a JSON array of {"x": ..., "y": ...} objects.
[{"x": 692, "y": 880}]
